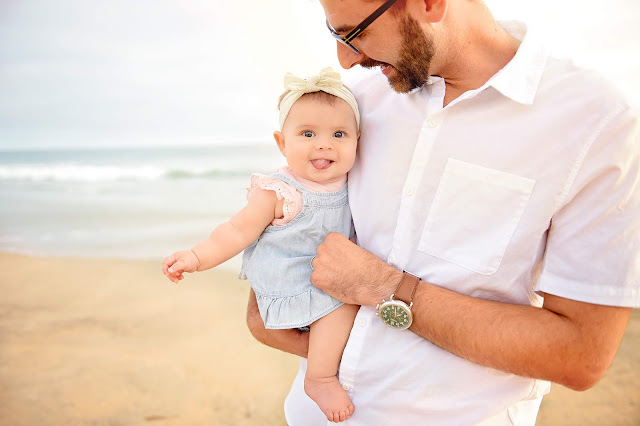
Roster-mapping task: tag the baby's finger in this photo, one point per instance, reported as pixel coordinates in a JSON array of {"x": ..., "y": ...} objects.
[
  {"x": 166, "y": 264},
  {"x": 177, "y": 268},
  {"x": 176, "y": 278},
  {"x": 166, "y": 272}
]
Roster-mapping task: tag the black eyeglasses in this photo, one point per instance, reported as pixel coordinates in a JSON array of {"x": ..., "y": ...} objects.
[{"x": 346, "y": 39}]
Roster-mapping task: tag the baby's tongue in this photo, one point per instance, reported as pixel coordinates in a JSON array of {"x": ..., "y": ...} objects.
[{"x": 321, "y": 164}]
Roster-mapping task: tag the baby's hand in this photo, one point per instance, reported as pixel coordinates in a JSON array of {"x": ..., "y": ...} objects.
[{"x": 178, "y": 263}]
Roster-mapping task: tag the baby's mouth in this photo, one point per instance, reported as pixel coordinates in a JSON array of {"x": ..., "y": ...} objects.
[{"x": 321, "y": 163}]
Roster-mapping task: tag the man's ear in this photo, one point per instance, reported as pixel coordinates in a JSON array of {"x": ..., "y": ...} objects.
[
  {"x": 436, "y": 9},
  {"x": 279, "y": 137},
  {"x": 432, "y": 10}
]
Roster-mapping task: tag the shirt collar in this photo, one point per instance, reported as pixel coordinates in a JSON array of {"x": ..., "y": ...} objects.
[{"x": 519, "y": 79}]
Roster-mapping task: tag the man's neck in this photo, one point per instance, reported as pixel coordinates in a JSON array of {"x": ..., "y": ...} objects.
[{"x": 479, "y": 54}]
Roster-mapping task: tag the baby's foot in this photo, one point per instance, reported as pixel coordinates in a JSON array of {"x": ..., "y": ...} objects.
[{"x": 330, "y": 397}]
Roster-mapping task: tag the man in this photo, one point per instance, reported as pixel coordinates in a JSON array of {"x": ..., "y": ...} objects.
[{"x": 509, "y": 182}]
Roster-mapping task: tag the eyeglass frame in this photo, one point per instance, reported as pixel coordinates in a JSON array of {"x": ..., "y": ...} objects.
[{"x": 346, "y": 39}]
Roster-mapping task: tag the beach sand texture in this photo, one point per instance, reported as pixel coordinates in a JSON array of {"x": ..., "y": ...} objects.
[{"x": 113, "y": 342}]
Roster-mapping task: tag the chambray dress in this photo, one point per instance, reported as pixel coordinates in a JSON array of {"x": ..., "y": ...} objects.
[{"x": 278, "y": 263}]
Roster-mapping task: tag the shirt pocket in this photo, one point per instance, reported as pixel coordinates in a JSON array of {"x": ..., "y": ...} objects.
[{"x": 474, "y": 214}]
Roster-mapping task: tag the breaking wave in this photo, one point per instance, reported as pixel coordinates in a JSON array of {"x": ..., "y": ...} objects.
[{"x": 93, "y": 173}]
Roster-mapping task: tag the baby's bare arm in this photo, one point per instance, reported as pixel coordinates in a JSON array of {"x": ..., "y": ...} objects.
[{"x": 233, "y": 236}]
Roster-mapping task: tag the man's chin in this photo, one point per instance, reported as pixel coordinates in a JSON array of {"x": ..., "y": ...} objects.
[
  {"x": 398, "y": 81},
  {"x": 399, "y": 84}
]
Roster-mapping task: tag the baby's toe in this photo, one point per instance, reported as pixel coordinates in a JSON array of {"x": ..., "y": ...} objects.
[{"x": 329, "y": 415}]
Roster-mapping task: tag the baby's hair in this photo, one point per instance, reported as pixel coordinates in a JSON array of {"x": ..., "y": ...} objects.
[{"x": 320, "y": 96}]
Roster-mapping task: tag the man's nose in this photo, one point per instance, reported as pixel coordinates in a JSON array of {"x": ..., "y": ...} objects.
[{"x": 347, "y": 57}]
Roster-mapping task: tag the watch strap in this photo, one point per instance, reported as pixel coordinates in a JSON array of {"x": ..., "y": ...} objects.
[{"x": 407, "y": 288}]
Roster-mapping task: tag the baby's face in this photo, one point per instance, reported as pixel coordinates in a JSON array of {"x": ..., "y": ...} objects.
[{"x": 319, "y": 140}]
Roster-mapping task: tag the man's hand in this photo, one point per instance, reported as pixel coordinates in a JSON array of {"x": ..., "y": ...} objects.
[{"x": 351, "y": 274}]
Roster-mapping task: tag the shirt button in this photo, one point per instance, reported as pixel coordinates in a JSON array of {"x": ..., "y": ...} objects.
[
  {"x": 432, "y": 122},
  {"x": 363, "y": 322},
  {"x": 409, "y": 191},
  {"x": 346, "y": 387},
  {"x": 392, "y": 259}
]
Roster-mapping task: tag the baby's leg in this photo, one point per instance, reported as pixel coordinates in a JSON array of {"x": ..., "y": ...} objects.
[{"x": 327, "y": 340}]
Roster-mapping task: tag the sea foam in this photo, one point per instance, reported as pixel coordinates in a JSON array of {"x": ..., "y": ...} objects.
[{"x": 94, "y": 173}]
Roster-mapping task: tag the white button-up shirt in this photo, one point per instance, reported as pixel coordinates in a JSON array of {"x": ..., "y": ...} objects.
[{"x": 527, "y": 185}]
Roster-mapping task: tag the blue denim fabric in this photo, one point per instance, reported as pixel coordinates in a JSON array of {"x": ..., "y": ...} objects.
[{"x": 278, "y": 263}]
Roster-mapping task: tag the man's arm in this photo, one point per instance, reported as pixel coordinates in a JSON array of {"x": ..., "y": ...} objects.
[
  {"x": 288, "y": 340},
  {"x": 567, "y": 342}
]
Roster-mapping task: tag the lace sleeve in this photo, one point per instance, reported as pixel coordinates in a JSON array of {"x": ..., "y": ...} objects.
[{"x": 291, "y": 196}]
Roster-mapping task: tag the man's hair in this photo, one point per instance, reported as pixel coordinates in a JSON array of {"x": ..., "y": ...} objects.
[
  {"x": 320, "y": 96},
  {"x": 397, "y": 7}
]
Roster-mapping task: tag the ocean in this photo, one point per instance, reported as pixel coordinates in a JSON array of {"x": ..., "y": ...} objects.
[{"x": 138, "y": 203}]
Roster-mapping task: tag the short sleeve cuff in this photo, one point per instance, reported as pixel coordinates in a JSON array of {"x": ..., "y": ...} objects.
[{"x": 596, "y": 293}]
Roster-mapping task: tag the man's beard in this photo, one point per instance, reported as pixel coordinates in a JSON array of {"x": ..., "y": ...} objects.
[{"x": 412, "y": 69}]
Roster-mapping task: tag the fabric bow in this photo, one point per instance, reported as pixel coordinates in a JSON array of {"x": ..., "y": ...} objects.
[{"x": 327, "y": 80}]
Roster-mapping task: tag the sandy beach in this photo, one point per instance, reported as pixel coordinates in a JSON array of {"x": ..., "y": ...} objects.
[{"x": 113, "y": 342}]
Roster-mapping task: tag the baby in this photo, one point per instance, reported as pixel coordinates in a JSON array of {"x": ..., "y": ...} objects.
[{"x": 288, "y": 214}]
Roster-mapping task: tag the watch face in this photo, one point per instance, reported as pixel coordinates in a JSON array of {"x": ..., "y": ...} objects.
[{"x": 396, "y": 314}]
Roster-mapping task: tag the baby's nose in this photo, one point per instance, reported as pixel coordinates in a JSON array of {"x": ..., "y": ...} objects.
[{"x": 322, "y": 143}]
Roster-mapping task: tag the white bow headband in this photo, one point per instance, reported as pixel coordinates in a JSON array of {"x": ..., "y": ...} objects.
[{"x": 326, "y": 81}]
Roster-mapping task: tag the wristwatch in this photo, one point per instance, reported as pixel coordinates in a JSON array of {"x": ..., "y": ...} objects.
[{"x": 396, "y": 312}]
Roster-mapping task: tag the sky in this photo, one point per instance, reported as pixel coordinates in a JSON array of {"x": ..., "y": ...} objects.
[{"x": 78, "y": 73}]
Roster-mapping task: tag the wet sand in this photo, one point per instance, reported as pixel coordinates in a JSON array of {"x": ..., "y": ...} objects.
[{"x": 112, "y": 342}]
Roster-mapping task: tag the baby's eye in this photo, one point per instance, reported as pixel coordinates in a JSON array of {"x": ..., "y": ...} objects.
[
  {"x": 308, "y": 134},
  {"x": 339, "y": 134}
]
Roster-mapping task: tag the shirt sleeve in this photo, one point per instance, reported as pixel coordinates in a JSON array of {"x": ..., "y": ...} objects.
[
  {"x": 291, "y": 196},
  {"x": 593, "y": 246}
]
